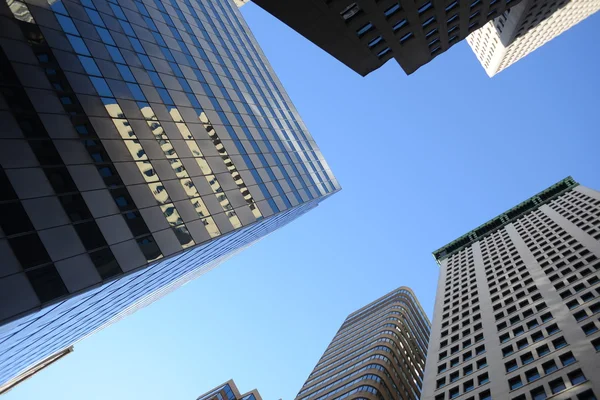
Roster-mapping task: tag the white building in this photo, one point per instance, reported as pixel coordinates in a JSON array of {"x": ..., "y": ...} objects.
[{"x": 525, "y": 27}]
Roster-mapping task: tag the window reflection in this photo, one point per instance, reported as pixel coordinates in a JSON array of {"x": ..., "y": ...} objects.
[
  {"x": 206, "y": 170},
  {"x": 230, "y": 166}
]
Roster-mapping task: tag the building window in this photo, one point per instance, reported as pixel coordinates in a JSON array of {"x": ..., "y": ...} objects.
[
  {"x": 532, "y": 375},
  {"x": 483, "y": 379},
  {"x": 590, "y": 328},
  {"x": 557, "y": 385},
  {"x": 392, "y": 10},
  {"x": 453, "y": 393},
  {"x": 364, "y": 29},
  {"x": 549, "y": 367},
  {"x": 527, "y": 358},
  {"x": 515, "y": 383},
  {"x": 587, "y": 395},
  {"x": 542, "y": 351},
  {"x": 538, "y": 393},
  {"x": 47, "y": 283},
  {"x": 454, "y": 377},
  {"x": 511, "y": 366},
  {"x": 567, "y": 359},
  {"x": 576, "y": 377},
  {"x": 468, "y": 386}
]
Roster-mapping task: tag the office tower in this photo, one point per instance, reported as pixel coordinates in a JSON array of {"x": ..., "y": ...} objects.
[
  {"x": 229, "y": 391},
  {"x": 524, "y": 28},
  {"x": 378, "y": 353},
  {"x": 142, "y": 142},
  {"x": 518, "y": 301},
  {"x": 365, "y": 34}
]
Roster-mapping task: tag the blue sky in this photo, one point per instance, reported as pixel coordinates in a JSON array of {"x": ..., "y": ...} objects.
[{"x": 421, "y": 159}]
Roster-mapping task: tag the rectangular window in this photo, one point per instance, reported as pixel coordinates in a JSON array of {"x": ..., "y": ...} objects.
[
  {"x": 364, "y": 29},
  {"x": 567, "y": 359},
  {"x": 577, "y": 377}
]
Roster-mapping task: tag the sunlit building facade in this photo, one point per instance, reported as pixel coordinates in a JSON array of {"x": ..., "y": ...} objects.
[
  {"x": 517, "y": 312},
  {"x": 142, "y": 143},
  {"x": 525, "y": 28},
  {"x": 378, "y": 353},
  {"x": 229, "y": 391}
]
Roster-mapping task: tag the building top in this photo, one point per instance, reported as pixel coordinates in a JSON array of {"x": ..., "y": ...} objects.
[
  {"x": 393, "y": 294},
  {"x": 229, "y": 391},
  {"x": 505, "y": 218}
]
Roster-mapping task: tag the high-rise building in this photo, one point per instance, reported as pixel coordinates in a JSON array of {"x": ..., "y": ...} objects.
[
  {"x": 378, "y": 353},
  {"x": 229, "y": 391},
  {"x": 142, "y": 142},
  {"x": 518, "y": 304},
  {"x": 365, "y": 34},
  {"x": 524, "y": 28}
]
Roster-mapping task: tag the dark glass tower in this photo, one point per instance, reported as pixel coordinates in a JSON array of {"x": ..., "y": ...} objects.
[
  {"x": 142, "y": 142},
  {"x": 378, "y": 353},
  {"x": 518, "y": 304}
]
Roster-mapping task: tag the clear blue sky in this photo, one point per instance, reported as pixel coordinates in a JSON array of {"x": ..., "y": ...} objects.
[{"x": 421, "y": 159}]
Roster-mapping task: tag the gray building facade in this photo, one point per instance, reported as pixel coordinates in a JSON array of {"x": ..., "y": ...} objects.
[
  {"x": 141, "y": 143},
  {"x": 365, "y": 34},
  {"x": 377, "y": 354},
  {"x": 518, "y": 304}
]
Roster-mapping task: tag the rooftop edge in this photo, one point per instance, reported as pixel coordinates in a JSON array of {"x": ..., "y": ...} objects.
[{"x": 505, "y": 218}]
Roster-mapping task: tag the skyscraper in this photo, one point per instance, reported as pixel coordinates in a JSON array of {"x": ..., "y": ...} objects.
[
  {"x": 365, "y": 34},
  {"x": 524, "y": 28},
  {"x": 379, "y": 353},
  {"x": 517, "y": 305},
  {"x": 229, "y": 391},
  {"x": 142, "y": 142}
]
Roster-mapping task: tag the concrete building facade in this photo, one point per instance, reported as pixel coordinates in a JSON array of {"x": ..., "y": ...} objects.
[
  {"x": 518, "y": 304},
  {"x": 525, "y": 28},
  {"x": 378, "y": 353},
  {"x": 365, "y": 34},
  {"x": 142, "y": 142}
]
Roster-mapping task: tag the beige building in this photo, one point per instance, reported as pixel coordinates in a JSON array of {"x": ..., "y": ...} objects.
[
  {"x": 377, "y": 354},
  {"x": 518, "y": 304},
  {"x": 524, "y": 28}
]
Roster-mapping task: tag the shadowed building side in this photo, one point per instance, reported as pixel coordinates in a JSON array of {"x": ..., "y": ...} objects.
[{"x": 365, "y": 34}]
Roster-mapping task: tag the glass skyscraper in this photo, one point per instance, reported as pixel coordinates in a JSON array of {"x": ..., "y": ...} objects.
[{"x": 142, "y": 143}]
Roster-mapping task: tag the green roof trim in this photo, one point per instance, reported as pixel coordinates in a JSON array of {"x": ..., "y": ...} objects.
[{"x": 509, "y": 216}]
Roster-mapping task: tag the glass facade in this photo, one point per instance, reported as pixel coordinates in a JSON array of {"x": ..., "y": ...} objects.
[{"x": 142, "y": 142}]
